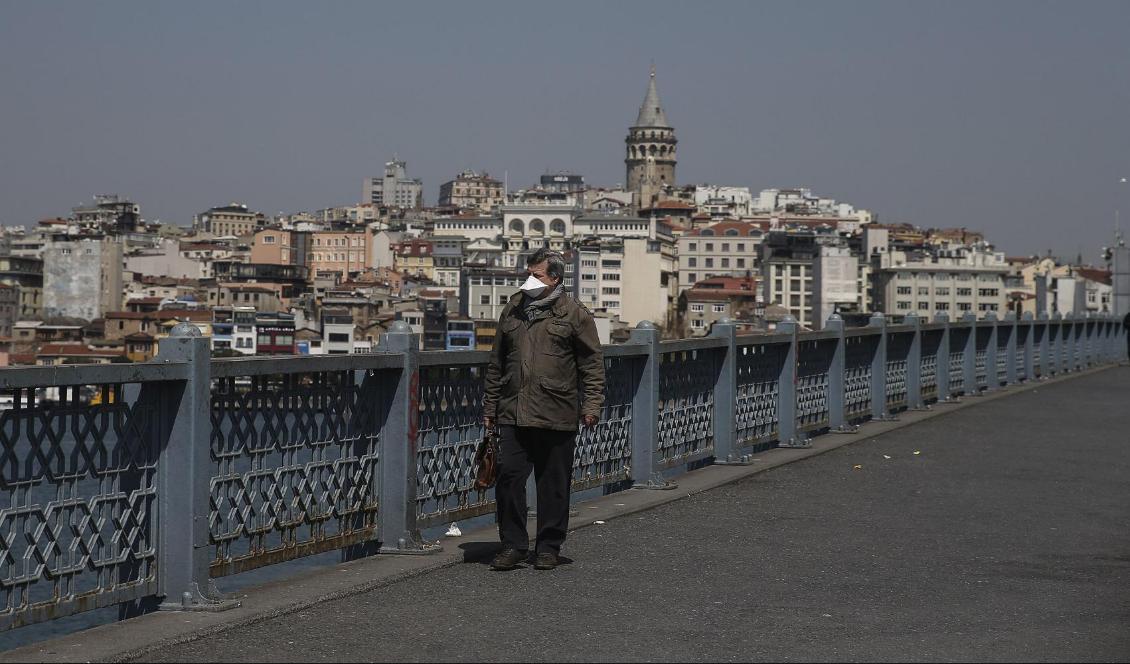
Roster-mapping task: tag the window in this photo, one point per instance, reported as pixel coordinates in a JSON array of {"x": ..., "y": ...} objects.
[
  {"x": 268, "y": 239},
  {"x": 484, "y": 299},
  {"x": 923, "y": 290},
  {"x": 692, "y": 262},
  {"x": 725, "y": 246},
  {"x": 741, "y": 246},
  {"x": 923, "y": 305},
  {"x": 692, "y": 277},
  {"x": 903, "y": 305},
  {"x": 794, "y": 270},
  {"x": 741, "y": 262},
  {"x": 610, "y": 290},
  {"x": 794, "y": 300},
  {"x": 339, "y": 337},
  {"x": 613, "y": 265},
  {"x": 903, "y": 290},
  {"x": 725, "y": 262},
  {"x": 693, "y": 246},
  {"x": 987, "y": 292},
  {"x": 794, "y": 284},
  {"x": 264, "y": 339},
  {"x": 612, "y": 276},
  {"x": 709, "y": 262},
  {"x": 698, "y": 323},
  {"x": 964, "y": 292},
  {"x": 942, "y": 292},
  {"x": 719, "y": 308},
  {"x": 964, "y": 306},
  {"x": 698, "y": 308},
  {"x": 943, "y": 306},
  {"x": 502, "y": 299},
  {"x": 610, "y": 304},
  {"x": 710, "y": 246}
]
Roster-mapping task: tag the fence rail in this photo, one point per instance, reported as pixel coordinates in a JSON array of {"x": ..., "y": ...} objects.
[{"x": 126, "y": 482}]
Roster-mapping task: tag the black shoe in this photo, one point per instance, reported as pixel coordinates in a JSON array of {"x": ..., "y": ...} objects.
[
  {"x": 546, "y": 560},
  {"x": 508, "y": 558}
]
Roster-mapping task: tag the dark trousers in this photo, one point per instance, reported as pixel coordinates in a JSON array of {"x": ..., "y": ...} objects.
[{"x": 550, "y": 455}]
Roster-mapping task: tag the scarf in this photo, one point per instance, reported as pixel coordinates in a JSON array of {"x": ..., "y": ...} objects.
[{"x": 539, "y": 308}]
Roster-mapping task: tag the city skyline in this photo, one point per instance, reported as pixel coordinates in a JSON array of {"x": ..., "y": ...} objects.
[{"x": 1015, "y": 133}]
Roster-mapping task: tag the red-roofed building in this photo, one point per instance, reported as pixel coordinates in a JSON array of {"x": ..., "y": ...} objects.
[
  {"x": 719, "y": 297},
  {"x": 54, "y": 354}
]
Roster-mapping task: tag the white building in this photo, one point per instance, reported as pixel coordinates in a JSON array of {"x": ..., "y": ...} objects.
[
  {"x": 395, "y": 188},
  {"x": 835, "y": 282},
  {"x": 718, "y": 201},
  {"x": 633, "y": 278},
  {"x": 953, "y": 281}
]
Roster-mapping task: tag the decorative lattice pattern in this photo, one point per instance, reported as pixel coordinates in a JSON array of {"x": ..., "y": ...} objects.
[
  {"x": 79, "y": 484},
  {"x": 898, "y": 353},
  {"x": 604, "y": 452},
  {"x": 858, "y": 355},
  {"x": 931, "y": 343},
  {"x": 759, "y": 372},
  {"x": 449, "y": 430},
  {"x": 814, "y": 359},
  {"x": 686, "y": 404},
  {"x": 295, "y": 465}
]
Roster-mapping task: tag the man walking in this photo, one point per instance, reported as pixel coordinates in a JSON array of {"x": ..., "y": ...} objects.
[{"x": 546, "y": 374}]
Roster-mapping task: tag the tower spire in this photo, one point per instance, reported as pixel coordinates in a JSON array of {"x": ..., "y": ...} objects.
[{"x": 651, "y": 111}]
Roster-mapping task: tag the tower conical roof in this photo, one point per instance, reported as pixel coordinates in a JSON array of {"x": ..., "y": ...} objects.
[{"x": 651, "y": 112}]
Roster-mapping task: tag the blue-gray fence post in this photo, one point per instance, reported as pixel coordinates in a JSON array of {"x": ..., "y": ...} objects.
[
  {"x": 837, "y": 421},
  {"x": 1114, "y": 326},
  {"x": 396, "y": 528},
  {"x": 943, "y": 371},
  {"x": 1045, "y": 345},
  {"x": 786, "y": 408},
  {"x": 1069, "y": 324},
  {"x": 914, "y": 365},
  {"x": 1059, "y": 364},
  {"x": 879, "y": 368},
  {"x": 185, "y": 474},
  {"x": 992, "y": 382},
  {"x": 726, "y": 393},
  {"x": 645, "y": 412},
  {"x": 1029, "y": 341},
  {"x": 1107, "y": 347},
  {"x": 969, "y": 354},
  {"x": 1010, "y": 349}
]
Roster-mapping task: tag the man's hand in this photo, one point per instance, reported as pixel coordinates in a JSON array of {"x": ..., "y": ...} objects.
[
  {"x": 590, "y": 420},
  {"x": 488, "y": 423}
]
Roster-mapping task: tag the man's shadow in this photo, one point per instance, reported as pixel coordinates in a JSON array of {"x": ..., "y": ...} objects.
[{"x": 481, "y": 553}]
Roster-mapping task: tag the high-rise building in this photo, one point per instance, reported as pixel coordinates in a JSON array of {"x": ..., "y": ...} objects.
[
  {"x": 473, "y": 190},
  {"x": 82, "y": 278},
  {"x": 650, "y": 150},
  {"x": 395, "y": 188}
]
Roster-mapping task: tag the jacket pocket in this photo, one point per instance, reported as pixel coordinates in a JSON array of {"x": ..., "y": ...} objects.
[{"x": 559, "y": 339}]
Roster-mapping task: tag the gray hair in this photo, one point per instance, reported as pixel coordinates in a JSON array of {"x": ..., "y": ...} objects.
[{"x": 556, "y": 266}]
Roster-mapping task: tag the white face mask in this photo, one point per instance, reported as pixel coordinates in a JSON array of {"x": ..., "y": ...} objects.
[{"x": 533, "y": 286}]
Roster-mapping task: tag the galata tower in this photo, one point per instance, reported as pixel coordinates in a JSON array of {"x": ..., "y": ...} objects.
[{"x": 650, "y": 153}]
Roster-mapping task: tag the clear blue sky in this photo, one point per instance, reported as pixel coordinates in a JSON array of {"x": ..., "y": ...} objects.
[{"x": 1011, "y": 117}]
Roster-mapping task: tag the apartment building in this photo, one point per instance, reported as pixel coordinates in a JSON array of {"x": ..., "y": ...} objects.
[
  {"x": 724, "y": 249},
  {"x": 953, "y": 281}
]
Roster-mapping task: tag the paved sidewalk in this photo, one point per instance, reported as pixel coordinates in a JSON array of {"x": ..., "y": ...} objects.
[{"x": 1006, "y": 538}]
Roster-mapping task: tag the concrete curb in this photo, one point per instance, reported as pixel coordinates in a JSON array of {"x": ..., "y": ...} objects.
[{"x": 132, "y": 639}]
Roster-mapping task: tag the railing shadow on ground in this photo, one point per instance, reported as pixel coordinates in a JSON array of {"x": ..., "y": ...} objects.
[{"x": 137, "y": 486}]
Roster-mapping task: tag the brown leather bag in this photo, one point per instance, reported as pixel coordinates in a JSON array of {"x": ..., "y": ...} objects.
[{"x": 486, "y": 461}]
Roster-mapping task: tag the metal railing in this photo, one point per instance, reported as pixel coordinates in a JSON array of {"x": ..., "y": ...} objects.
[{"x": 123, "y": 483}]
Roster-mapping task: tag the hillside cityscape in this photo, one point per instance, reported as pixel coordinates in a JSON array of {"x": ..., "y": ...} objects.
[{"x": 104, "y": 285}]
